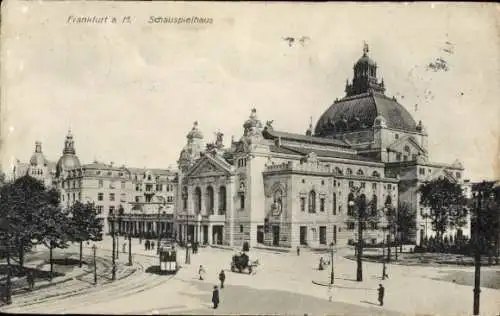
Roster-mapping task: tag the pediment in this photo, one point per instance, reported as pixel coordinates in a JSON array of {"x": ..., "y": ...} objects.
[
  {"x": 209, "y": 166},
  {"x": 399, "y": 144},
  {"x": 441, "y": 173}
]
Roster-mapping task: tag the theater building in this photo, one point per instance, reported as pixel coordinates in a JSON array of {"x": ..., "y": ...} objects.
[{"x": 285, "y": 189}]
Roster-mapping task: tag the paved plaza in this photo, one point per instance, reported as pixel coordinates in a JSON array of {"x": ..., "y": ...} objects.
[{"x": 283, "y": 284}]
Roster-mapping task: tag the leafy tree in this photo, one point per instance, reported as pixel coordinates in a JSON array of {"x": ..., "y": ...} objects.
[
  {"x": 22, "y": 203},
  {"x": 53, "y": 229},
  {"x": 84, "y": 224},
  {"x": 406, "y": 220},
  {"x": 446, "y": 203}
]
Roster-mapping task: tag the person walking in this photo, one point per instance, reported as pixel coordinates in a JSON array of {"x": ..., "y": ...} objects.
[
  {"x": 215, "y": 297},
  {"x": 298, "y": 251},
  {"x": 222, "y": 278},
  {"x": 31, "y": 280},
  {"x": 146, "y": 245},
  {"x": 124, "y": 247},
  {"x": 381, "y": 292},
  {"x": 201, "y": 272},
  {"x": 152, "y": 245}
]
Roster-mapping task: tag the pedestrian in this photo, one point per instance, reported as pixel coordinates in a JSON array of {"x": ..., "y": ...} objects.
[
  {"x": 201, "y": 272},
  {"x": 146, "y": 245},
  {"x": 215, "y": 296},
  {"x": 320, "y": 264},
  {"x": 298, "y": 251},
  {"x": 222, "y": 278},
  {"x": 31, "y": 280},
  {"x": 193, "y": 248},
  {"x": 124, "y": 246},
  {"x": 381, "y": 292},
  {"x": 384, "y": 273},
  {"x": 152, "y": 245}
]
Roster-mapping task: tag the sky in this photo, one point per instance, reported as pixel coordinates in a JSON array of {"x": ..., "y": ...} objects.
[{"x": 130, "y": 92}]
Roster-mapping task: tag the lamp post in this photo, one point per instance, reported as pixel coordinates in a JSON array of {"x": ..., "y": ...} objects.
[
  {"x": 332, "y": 274},
  {"x": 130, "y": 249},
  {"x": 188, "y": 258},
  {"x": 94, "y": 248},
  {"x": 113, "y": 268},
  {"x": 361, "y": 204},
  {"x": 158, "y": 228}
]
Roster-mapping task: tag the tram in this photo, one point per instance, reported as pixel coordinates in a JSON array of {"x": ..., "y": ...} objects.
[{"x": 168, "y": 258}]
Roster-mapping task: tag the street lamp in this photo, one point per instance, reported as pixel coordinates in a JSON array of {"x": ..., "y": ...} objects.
[
  {"x": 113, "y": 268},
  {"x": 188, "y": 258},
  {"x": 158, "y": 228},
  {"x": 94, "y": 248},
  {"x": 361, "y": 205},
  {"x": 332, "y": 274},
  {"x": 130, "y": 249}
]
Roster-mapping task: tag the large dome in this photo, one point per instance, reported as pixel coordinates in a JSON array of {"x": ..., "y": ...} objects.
[
  {"x": 358, "y": 112},
  {"x": 67, "y": 162}
]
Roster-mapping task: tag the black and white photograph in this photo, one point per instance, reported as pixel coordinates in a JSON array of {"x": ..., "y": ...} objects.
[{"x": 250, "y": 158}]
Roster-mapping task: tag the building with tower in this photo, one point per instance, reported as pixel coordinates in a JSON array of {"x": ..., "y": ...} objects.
[{"x": 285, "y": 189}]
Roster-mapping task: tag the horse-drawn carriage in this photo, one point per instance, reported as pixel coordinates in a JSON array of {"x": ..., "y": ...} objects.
[{"x": 242, "y": 262}]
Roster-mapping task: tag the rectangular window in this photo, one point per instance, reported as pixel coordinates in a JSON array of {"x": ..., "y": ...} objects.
[
  {"x": 241, "y": 228},
  {"x": 149, "y": 187},
  {"x": 100, "y": 208},
  {"x": 112, "y": 197},
  {"x": 322, "y": 204},
  {"x": 111, "y": 209},
  {"x": 398, "y": 156},
  {"x": 389, "y": 186},
  {"x": 322, "y": 235},
  {"x": 374, "y": 186},
  {"x": 111, "y": 185},
  {"x": 350, "y": 225},
  {"x": 334, "y": 203},
  {"x": 351, "y": 184},
  {"x": 170, "y": 199},
  {"x": 159, "y": 187},
  {"x": 137, "y": 198},
  {"x": 123, "y": 184},
  {"x": 242, "y": 201},
  {"x": 101, "y": 184},
  {"x": 374, "y": 226},
  {"x": 363, "y": 185},
  {"x": 302, "y": 204},
  {"x": 421, "y": 171},
  {"x": 100, "y": 196}
]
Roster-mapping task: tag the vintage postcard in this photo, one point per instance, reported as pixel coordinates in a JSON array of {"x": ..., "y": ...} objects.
[{"x": 250, "y": 158}]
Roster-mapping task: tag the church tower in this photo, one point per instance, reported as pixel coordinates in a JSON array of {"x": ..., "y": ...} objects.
[{"x": 365, "y": 76}]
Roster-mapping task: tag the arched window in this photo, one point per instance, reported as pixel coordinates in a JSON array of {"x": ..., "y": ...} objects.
[
  {"x": 197, "y": 200},
  {"x": 374, "y": 205},
  {"x": 278, "y": 201},
  {"x": 375, "y": 174},
  {"x": 407, "y": 153},
  {"x": 349, "y": 171},
  {"x": 210, "y": 200},
  {"x": 350, "y": 208},
  {"x": 338, "y": 170},
  {"x": 184, "y": 198},
  {"x": 222, "y": 200},
  {"x": 388, "y": 201},
  {"x": 360, "y": 172},
  {"x": 312, "y": 202}
]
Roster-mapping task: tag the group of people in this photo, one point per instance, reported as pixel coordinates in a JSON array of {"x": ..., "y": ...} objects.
[
  {"x": 149, "y": 245},
  {"x": 215, "y": 292}
]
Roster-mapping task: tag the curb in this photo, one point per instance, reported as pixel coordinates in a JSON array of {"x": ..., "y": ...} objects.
[{"x": 320, "y": 283}]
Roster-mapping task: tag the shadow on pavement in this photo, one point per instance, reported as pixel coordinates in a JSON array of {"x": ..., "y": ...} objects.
[
  {"x": 68, "y": 262},
  {"x": 156, "y": 270},
  {"x": 371, "y": 303}
]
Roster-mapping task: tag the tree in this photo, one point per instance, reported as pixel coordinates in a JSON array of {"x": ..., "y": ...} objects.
[
  {"x": 84, "y": 224},
  {"x": 53, "y": 230},
  {"x": 22, "y": 202},
  {"x": 406, "y": 220},
  {"x": 446, "y": 203}
]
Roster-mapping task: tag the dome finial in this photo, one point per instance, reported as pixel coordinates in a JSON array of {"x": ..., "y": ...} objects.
[{"x": 366, "y": 49}]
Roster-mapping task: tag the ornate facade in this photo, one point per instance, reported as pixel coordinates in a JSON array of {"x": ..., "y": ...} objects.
[{"x": 284, "y": 189}]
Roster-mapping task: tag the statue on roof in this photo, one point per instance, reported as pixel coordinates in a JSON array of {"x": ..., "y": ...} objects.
[
  {"x": 219, "y": 143},
  {"x": 269, "y": 124},
  {"x": 365, "y": 48}
]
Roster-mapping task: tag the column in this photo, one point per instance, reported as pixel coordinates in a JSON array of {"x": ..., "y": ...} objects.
[
  {"x": 229, "y": 223},
  {"x": 210, "y": 234},
  {"x": 216, "y": 199},
  {"x": 198, "y": 232}
]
